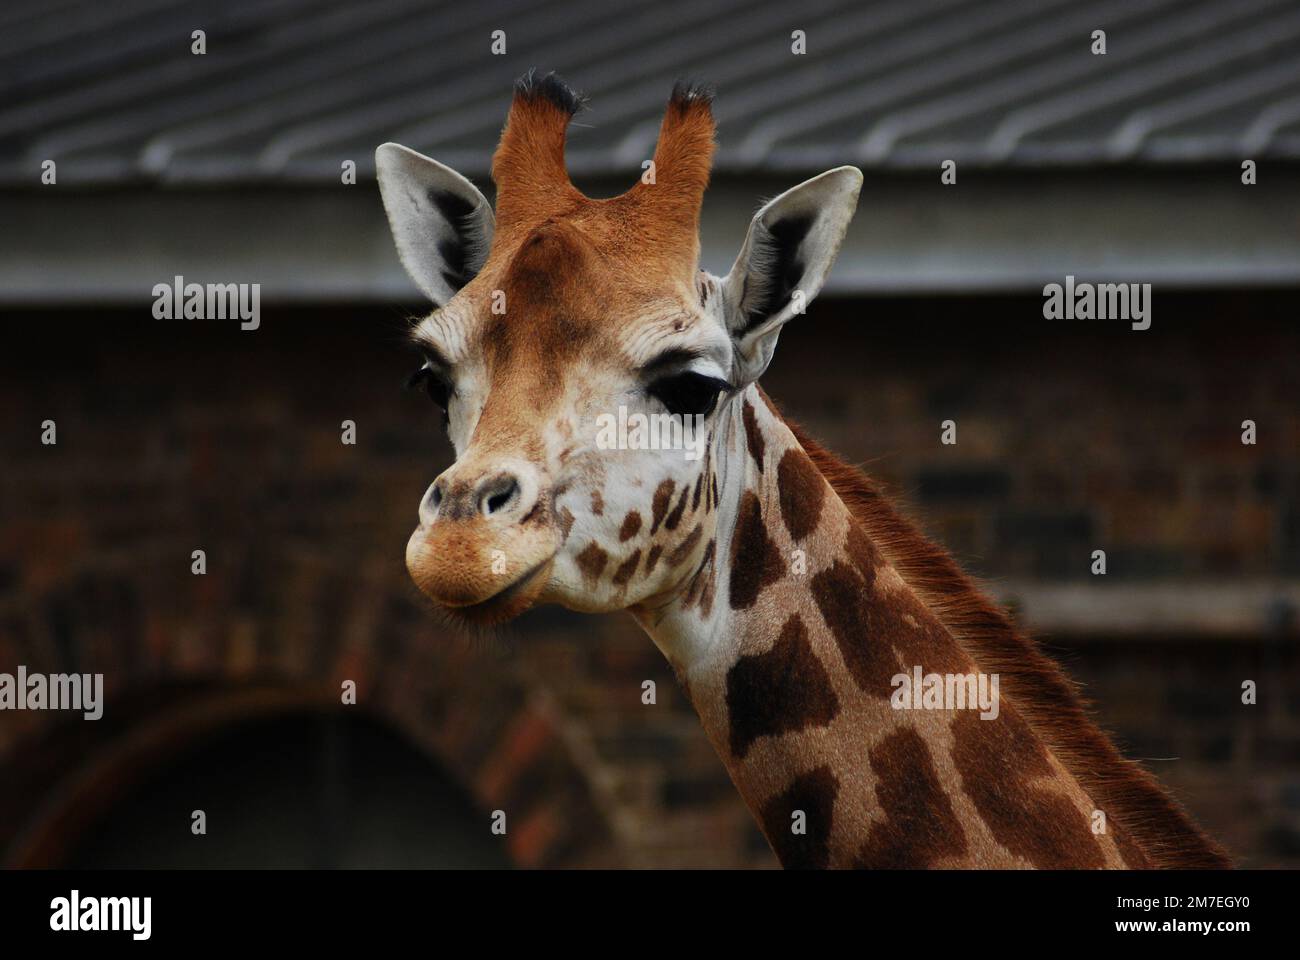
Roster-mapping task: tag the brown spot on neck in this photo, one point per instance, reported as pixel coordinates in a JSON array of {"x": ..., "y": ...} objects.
[
  {"x": 863, "y": 552},
  {"x": 919, "y": 826},
  {"x": 801, "y": 493},
  {"x": 753, "y": 435},
  {"x": 755, "y": 559},
  {"x": 813, "y": 794},
  {"x": 998, "y": 761},
  {"x": 780, "y": 691},
  {"x": 865, "y": 631}
]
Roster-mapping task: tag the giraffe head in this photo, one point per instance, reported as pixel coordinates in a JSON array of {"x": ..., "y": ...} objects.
[{"x": 565, "y": 329}]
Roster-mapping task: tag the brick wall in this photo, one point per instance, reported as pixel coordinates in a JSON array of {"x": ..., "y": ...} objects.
[{"x": 1072, "y": 436}]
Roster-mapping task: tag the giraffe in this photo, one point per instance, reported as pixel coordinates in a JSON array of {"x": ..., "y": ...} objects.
[{"x": 786, "y": 591}]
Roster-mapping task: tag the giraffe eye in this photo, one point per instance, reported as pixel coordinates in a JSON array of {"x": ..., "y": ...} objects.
[
  {"x": 688, "y": 392},
  {"x": 435, "y": 384}
]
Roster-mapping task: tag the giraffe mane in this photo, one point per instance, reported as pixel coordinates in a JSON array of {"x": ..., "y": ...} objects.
[{"x": 1046, "y": 697}]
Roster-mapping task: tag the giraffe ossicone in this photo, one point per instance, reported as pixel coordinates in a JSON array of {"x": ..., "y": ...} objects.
[{"x": 784, "y": 589}]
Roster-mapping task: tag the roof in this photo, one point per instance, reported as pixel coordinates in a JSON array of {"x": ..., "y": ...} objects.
[{"x": 289, "y": 89}]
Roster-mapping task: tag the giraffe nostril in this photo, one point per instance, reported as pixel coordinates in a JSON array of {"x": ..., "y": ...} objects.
[
  {"x": 498, "y": 495},
  {"x": 436, "y": 498}
]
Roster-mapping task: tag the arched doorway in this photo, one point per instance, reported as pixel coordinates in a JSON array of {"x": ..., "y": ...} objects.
[{"x": 304, "y": 789}]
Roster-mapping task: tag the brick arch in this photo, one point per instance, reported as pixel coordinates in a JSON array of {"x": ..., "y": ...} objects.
[{"x": 183, "y": 654}]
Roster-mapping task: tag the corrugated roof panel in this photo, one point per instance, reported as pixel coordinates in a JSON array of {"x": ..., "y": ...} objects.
[{"x": 291, "y": 88}]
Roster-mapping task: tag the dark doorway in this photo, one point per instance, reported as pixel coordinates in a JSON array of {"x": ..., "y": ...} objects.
[{"x": 296, "y": 791}]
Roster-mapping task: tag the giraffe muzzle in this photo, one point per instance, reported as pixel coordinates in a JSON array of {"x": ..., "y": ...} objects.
[{"x": 485, "y": 541}]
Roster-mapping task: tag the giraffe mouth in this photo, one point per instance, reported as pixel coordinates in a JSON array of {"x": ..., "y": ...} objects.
[{"x": 507, "y": 603}]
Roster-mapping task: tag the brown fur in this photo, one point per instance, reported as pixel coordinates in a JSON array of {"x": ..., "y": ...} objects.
[
  {"x": 668, "y": 210},
  {"x": 1047, "y": 700},
  {"x": 528, "y": 166}
]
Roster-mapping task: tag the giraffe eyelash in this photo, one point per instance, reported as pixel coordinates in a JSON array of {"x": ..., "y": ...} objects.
[{"x": 677, "y": 357}]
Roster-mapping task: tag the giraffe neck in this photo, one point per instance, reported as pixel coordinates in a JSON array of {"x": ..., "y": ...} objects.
[{"x": 789, "y": 640}]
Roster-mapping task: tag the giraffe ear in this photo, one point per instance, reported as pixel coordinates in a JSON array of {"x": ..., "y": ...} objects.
[
  {"x": 441, "y": 223},
  {"x": 791, "y": 245}
]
